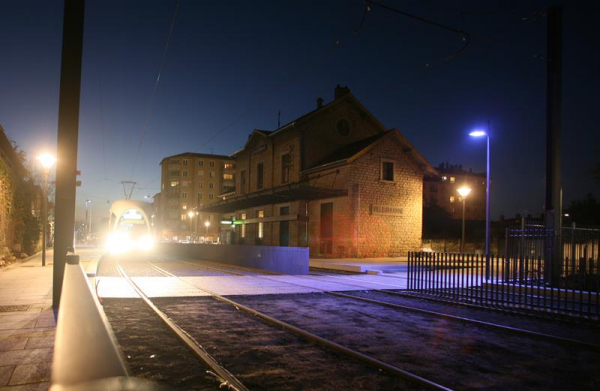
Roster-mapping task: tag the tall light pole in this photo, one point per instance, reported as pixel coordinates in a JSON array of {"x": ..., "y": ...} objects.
[
  {"x": 88, "y": 218},
  {"x": 191, "y": 215},
  {"x": 481, "y": 133},
  {"x": 464, "y": 192},
  {"x": 207, "y": 224},
  {"x": 47, "y": 162}
]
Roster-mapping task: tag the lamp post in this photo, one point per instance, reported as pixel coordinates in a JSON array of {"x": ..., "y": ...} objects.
[
  {"x": 191, "y": 215},
  {"x": 464, "y": 192},
  {"x": 47, "y": 162},
  {"x": 88, "y": 219},
  {"x": 207, "y": 224},
  {"x": 481, "y": 133}
]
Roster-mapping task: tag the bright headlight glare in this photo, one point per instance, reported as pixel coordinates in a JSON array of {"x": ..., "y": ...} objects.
[
  {"x": 146, "y": 243},
  {"x": 118, "y": 242}
]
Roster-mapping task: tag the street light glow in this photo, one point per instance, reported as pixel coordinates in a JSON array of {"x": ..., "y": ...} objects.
[
  {"x": 207, "y": 224},
  {"x": 478, "y": 133},
  {"x": 46, "y": 160},
  {"x": 464, "y": 191},
  {"x": 191, "y": 214}
]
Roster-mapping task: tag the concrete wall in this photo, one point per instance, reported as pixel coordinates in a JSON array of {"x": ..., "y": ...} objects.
[{"x": 287, "y": 260}]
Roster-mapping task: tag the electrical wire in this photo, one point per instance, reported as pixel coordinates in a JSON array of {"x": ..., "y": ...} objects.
[{"x": 149, "y": 112}]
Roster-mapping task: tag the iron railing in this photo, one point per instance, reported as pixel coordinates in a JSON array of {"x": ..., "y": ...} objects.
[{"x": 509, "y": 282}]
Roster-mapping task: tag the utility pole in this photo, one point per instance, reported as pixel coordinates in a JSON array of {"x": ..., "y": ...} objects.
[
  {"x": 68, "y": 131},
  {"x": 553, "y": 207}
]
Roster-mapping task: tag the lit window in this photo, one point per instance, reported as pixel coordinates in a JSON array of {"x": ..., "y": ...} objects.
[
  {"x": 184, "y": 217},
  {"x": 452, "y": 179},
  {"x": 451, "y": 198},
  {"x": 260, "y": 214},
  {"x": 227, "y": 176},
  {"x": 174, "y": 183},
  {"x": 184, "y": 206},
  {"x": 228, "y": 166},
  {"x": 243, "y": 227}
]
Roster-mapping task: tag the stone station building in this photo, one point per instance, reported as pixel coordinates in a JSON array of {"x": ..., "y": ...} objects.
[{"x": 335, "y": 180}]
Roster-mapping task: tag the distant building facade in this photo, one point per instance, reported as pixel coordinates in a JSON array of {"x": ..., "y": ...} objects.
[
  {"x": 334, "y": 180},
  {"x": 442, "y": 190},
  {"x": 189, "y": 182}
]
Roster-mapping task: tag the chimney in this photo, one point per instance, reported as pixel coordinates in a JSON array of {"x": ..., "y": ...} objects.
[
  {"x": 341, "y": 91},
  {"x": 319, "y": 102}
]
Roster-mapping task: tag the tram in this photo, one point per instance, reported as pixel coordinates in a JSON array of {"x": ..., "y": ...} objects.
[{"x": 129, "y": 227}]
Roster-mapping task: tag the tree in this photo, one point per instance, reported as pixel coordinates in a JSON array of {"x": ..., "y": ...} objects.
[{"x": 585, "y": 212}]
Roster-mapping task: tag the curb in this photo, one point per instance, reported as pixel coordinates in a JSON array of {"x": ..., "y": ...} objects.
[{"x": 19, "y": 261}]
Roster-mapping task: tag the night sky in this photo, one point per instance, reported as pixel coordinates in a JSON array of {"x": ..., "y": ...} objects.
[{"x": 231, "y": 66}]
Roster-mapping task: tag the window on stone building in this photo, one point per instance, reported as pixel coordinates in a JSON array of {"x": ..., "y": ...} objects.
[
  {"x": 185, "y": 162},
  {"x": 243, "y": 182},
  {"x": 174, "y": 173},
  {"x": 211, "y": 196},
  {"x": 260, "y": 175},
  {"x": 184, "y": 194},
  {"x": 243, "y": 226},
  {"x": 227, "y": 176},
  {"x": 286, "y": 166},
  {"x": 200, "y": 163},
  {"x": 387, "y": 170},
  {"x": 228, "y": 166},
  {"x": 212, "y": 164},
  {"x": 201, "y": 173},
  {"x": 211, "y": 185},
  {"x": 200, "y": 185},
  {"x": 284, "y": 211},
  {"x": 452, "y": 179},
  {"x": 174, "y": 183},
  {"x": 199, "y": 196},
  {"x": 184, "y": 173},
  {"x": 184, "y": 207},
  {"x": 260, "y": 232},
  {"x": 184, "y": 183}
]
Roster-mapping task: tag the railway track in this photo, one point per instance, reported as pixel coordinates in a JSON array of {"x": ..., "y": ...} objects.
[
  {"x": 231, "y": 381},
  {"x": 462, "y": 319}
]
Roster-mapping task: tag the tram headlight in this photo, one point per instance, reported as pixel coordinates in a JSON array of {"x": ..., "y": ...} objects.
[
  {"x": 146, "y": 243},
  {"x": 118, "y": 243}
]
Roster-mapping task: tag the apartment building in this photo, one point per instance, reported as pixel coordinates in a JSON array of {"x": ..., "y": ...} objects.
[
  {"x": 335, "y": 180},
  {"x": 189, "y": 182},
  {"x": 442, "y": 190}
]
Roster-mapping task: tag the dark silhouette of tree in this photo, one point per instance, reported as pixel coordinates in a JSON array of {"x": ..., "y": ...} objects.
[{"x": 585, "y": 211}]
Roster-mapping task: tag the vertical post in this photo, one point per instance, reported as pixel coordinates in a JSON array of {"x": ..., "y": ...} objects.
[
  {"x": 462, "y": 242},
  {"x": 68, "y": 130},
  {"x": 487, "y": 208},
  {"x": 45, "y": 215},
  {"x": 553, "y": 129}
]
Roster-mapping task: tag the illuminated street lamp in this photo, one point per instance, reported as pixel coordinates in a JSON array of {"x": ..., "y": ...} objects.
[
  {"x": 207, "y": 224},
  {"x": 464, "y": 192},
  {"x": 481, "y": 133},
  {"x": 191, "y": 215},
  {"x": 47, "y": 162}
]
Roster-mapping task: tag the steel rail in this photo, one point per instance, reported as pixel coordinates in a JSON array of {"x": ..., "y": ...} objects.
[
  {"x": 325, "y": 342},
  {"x": 495, "y": 326},
  {"x": 227, "y": 379}
]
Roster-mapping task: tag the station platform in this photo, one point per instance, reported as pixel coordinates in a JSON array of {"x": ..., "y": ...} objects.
[
  {"x": 361, "y": 265},
  {"x": 117, "y": 287},
  {"x": 28, "y": 322}
]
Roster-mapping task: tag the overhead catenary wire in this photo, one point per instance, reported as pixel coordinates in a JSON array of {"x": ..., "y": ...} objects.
[{"x": 151, "y": 104}]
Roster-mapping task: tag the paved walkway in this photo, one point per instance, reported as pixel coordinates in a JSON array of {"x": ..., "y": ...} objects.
[
  {"x": 190, "y": 286},
  {"x": 362, "y": 265},
  {"x": 27, "y": 322}
]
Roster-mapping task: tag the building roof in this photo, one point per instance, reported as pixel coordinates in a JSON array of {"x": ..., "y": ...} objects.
[
  {"x": 351, "y": 152},
  {"x": 193, "y": 154}
]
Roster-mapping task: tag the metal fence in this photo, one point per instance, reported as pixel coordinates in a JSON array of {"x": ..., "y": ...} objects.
[{"x": 510, "y": 282}]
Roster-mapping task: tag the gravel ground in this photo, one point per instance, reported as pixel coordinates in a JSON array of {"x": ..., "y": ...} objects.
[
  {"x": 151, "y": 349},
  {"x": 456, "y": 355},
  {"x": 583, "y": 332},
  {"x": 265, "y": 357}
]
